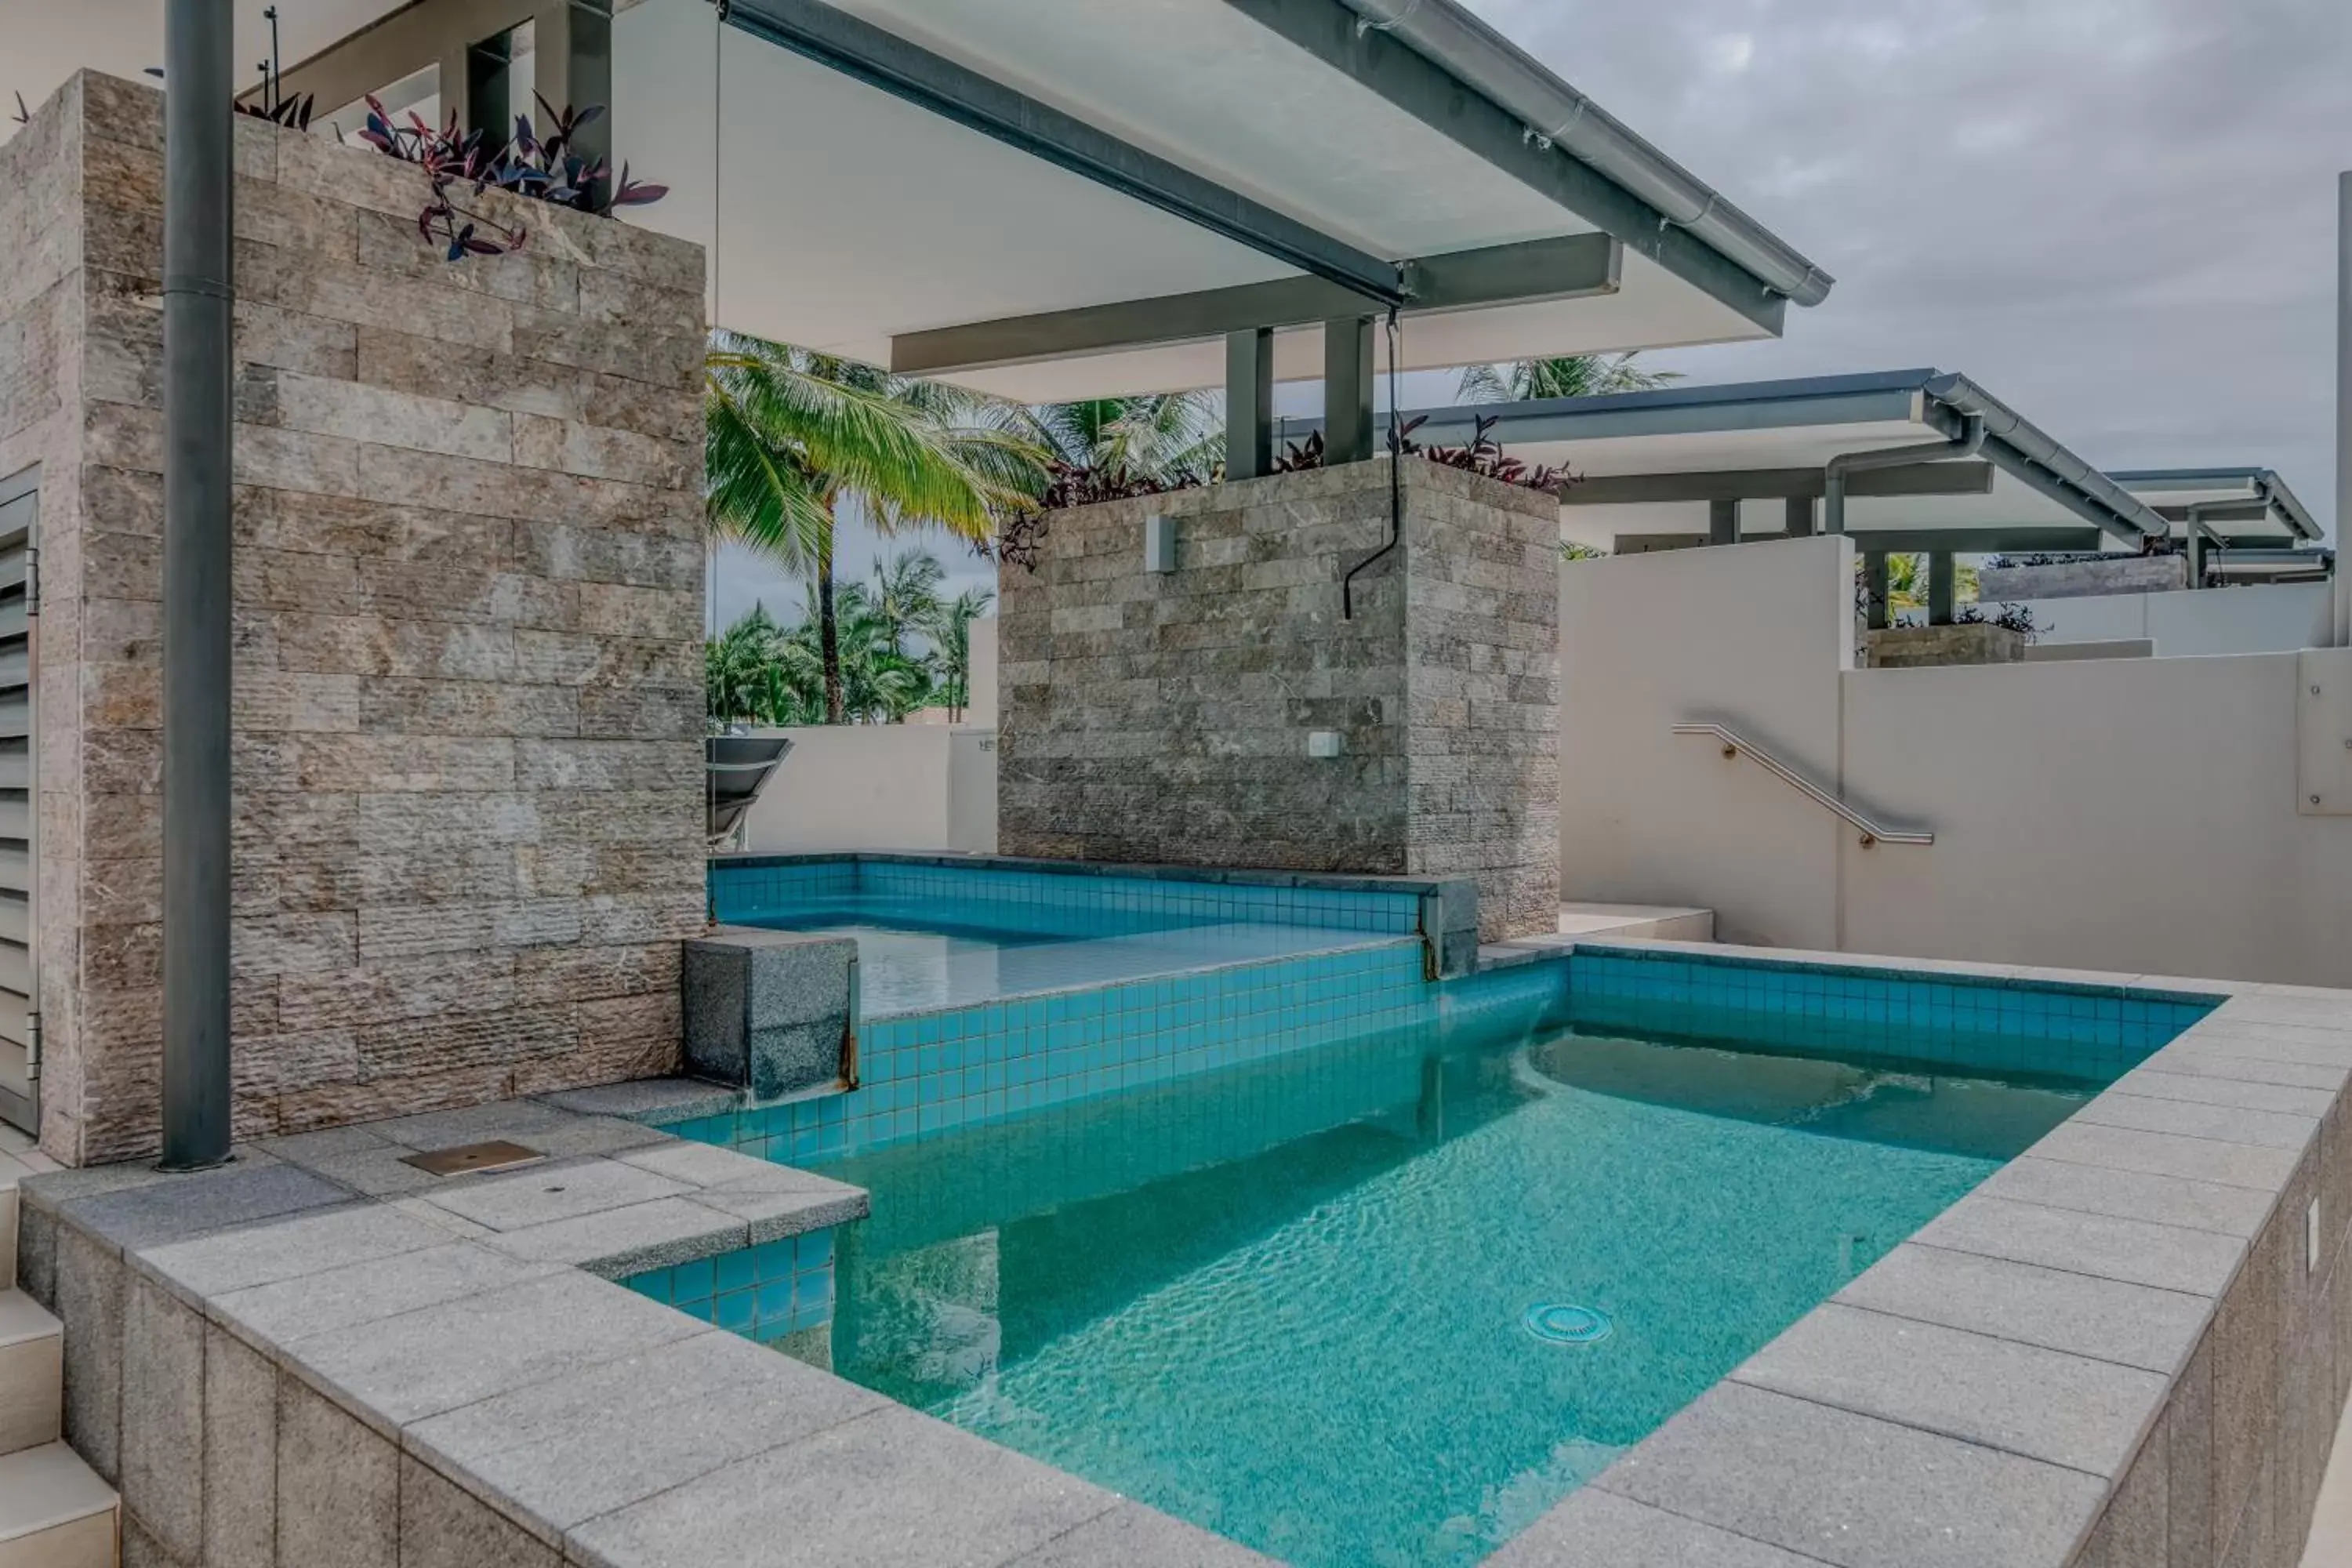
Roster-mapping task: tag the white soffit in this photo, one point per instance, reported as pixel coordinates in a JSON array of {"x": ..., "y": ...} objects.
[{"x": 839, "y": 217}]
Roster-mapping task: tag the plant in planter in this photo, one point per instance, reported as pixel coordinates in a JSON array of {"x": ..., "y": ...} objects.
[{"x": 547, "y": 168}]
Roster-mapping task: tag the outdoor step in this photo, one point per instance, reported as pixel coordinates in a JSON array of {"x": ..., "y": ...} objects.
[
  {"x": 55, "y": 1512},
  {"x": 1660, "y": 922},
  {"x": 32, "y": 1373}
]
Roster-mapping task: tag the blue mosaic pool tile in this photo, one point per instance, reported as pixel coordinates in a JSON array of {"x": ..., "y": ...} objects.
[
  {"x": 924, "y": 1074},
  {"x": 1052, "y": 902},
  {"x": 766, "y": 1292},
  {"x": 2085, "y": 1033}
]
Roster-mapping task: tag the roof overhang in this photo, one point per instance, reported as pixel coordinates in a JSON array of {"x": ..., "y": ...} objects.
[
  {"x": 1655, "y": 464},
  {"x": 1061, "y": 198}
]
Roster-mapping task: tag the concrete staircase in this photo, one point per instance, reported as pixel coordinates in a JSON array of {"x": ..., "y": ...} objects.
[{"x": 54, "y": 1510}]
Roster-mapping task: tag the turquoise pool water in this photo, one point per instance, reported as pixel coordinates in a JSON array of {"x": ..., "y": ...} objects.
[
  {"x": 1297, "y": 1300},
  {"x": 917, "y": 955}
]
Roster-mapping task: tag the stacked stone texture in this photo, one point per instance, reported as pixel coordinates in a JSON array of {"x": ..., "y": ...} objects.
[
  {"x": 1163, "y": 717},
  {"x": 468, "y": 689}
]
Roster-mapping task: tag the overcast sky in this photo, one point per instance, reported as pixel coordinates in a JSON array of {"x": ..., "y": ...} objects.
[{"x": 2117, "y": 215}]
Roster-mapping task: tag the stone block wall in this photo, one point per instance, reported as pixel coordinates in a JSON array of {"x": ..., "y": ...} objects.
[
  {"x": 468, "y": 689},
  {"x": 1164, "y": 718}
]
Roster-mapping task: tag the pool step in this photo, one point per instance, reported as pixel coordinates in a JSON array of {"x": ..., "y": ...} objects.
[
  {"x": 55, "y": 1512},
  {"x": 1655, "y": 922}
]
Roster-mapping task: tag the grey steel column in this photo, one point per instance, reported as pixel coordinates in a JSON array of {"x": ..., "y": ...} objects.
[
  {"x": 197, "y": 372},
  {"x": 1249, "y": 403},
  {"x": 1348, "y": 390},
  {"x": 572, "y": 45},
  {"x": 1800, "y": 514},
  {"x": 1942, "y": 571},
  {"x": 1723, "y": 523},
  {"x": 1873, "y": 583},
  {"x": 2343, "y": 406}
]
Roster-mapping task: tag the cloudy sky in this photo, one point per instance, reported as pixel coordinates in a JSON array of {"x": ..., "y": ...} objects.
[{"x": 2118, "y": 215}]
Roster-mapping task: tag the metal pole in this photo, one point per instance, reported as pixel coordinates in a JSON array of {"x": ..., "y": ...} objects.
[
  {"x": 1249, "y": 403},
  {"x": 1943, "y": 576},
  {"x": 1873, "y": 583},
  {"x": 1800, "y": 512},
  {"x": 2342, "y": 400},
  {"x": 1723, "y": 523},
  {"x": 1347, "y": 390},
  {"x": 198, "y": 293}
]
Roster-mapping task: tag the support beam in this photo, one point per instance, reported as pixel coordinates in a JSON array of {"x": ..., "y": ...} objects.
[
  {"x": 1771, "y": 484},
  {"x": 1903, "y": 541},
  {"x": 1942, "y": 574},
  {"x": 1803, "y": 511},
  {"x": 490, "y": 105},
  {"x": 1723, "y": 521},
  {"x": 884, "y": 60},
  {"x": 199, "y": 298},
  {"x": 1572, "y": 267},
  {"x": 2220, "y": 511},
  {"x": 1336, "y": 34},
  {"x": 1249, "y": 403},
  {"x": 1347, "y": 390},
  {"x": 1874, "y": 584},
  {"x": 425, "y": 33}
]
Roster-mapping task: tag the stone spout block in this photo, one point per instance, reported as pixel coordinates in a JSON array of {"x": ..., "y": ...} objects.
[{"x": 770, "y": 1012}]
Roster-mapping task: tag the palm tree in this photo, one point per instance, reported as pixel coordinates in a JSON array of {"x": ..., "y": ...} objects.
[
  {"x": 1160, "y": 436},
  {"x": 789, "y": 434},
  {"x": 1567, "y": 375},
  {"x": 906, "y": 594},
  {"x": 949, "y": 630}
]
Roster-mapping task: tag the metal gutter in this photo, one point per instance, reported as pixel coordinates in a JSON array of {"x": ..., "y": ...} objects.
[
  {"x": 1489, "y": 64},
  {"x": 2022, "y": 451},
  {"x": 1967, "y": 443}
]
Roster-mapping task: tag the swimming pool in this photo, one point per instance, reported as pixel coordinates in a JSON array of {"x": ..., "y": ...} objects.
[{"x": 1386, "y": 1302}]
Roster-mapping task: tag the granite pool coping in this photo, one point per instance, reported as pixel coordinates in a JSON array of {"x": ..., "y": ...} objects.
[
  {"x": 320, "y": 1355},
  {"x": 2126, "y": 1347}
]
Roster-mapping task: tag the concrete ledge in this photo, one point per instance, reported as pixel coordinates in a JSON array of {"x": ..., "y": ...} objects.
[
  {"x": 1919, "y": 648},
  {"x": 2084, "y": 579}
]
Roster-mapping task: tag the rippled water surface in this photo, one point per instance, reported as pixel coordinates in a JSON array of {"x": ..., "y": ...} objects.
[{"x": 1290, "y": 1302}]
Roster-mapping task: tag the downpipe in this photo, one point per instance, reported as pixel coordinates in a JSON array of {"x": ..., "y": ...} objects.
[{"x": 1967, "y": 444}]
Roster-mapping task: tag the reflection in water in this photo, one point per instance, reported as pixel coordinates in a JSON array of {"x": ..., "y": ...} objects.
[{"x": 1287, "y": 1301}]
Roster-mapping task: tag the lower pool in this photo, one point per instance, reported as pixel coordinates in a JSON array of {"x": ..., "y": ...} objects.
[{"x": 1386, "y": 1302}]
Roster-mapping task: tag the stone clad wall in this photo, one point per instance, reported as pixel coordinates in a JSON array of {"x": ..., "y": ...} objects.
[
  {"x": 1163, "y": 717},
  {"x": 468, "y": 696}
]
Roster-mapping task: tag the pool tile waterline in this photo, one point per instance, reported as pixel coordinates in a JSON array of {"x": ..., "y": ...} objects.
[{"x": 762, "y": 1292}]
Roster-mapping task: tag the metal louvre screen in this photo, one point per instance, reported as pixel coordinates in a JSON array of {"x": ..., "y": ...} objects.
[{"x": 19, "y": 1048}]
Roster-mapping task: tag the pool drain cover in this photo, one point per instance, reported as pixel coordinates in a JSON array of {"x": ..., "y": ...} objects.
[{"x": 1559, "y": 1323}]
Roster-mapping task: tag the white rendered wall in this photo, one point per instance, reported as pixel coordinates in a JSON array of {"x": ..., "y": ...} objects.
[
  {"x": 2119, "y": 814},
  {"x": 980, "y": 711},
  {"x": 880, "y": 786},
  {"x": 1752, "y": 635},
  {"x": 2271, "y": 618}
]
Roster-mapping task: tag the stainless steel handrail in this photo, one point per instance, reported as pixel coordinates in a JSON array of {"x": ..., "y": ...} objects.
[{"x": 1735, "y": 744}]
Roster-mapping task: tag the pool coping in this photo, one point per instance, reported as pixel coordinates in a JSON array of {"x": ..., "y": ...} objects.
[{"x": 406, "y": 1369}]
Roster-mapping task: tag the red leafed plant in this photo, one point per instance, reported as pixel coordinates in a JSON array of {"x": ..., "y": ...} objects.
[{"x": 546, "y": 169}]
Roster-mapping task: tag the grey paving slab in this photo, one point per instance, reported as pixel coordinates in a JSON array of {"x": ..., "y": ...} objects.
[
  {"x": 150, "y": 1214},
  {"x": 310, "y": 1241},
  {"x": 2131, "y": 1194},
  {"x": 301, "y": 1148},
  {"x": 2277, "y": 1043},
  {"x": 1594, "y": 1528},
  {"x": 2200, "y": 1262},
  {"x": 773, "y": 1216},
  {"x": 2211, "y": 1089},
  {"x": 359, "y": 1294},
  {"x": 163, "y": 1415},
  {"x": 376, "y": 1170},
  {"x": 515, "y": 1119},
  {"x": 886, "y": 1489},
  {"x": 2024, "y": 1399},
  {"x": 588, "y": 1443},
  {"x": 2167, "y": 1155},
  {"x": 708, "y": 1166},
  {"x": 337, "y": 1486},
  {"x": 2226, "y": 1123},
  {"x": 2187, "y": 1059},
  {"x": 2111, "y": 1319},
  {"x": 423, "y": 1362},
  {"x": 1134, "y": 1536},
  {"x": 617, "y": 1243},
  {"x": 239, "y": 1451},
  {"x": 596, "y": 1135},
  {"x": 1852, "y": 1489},
  {"x": 653, "y": 1100},
  {"x": 539, "y": 1195}
]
